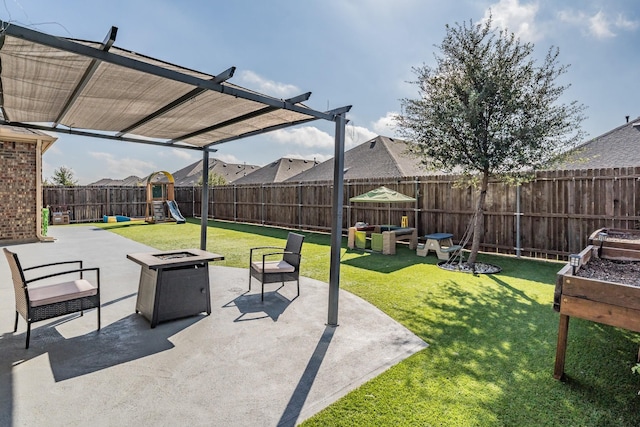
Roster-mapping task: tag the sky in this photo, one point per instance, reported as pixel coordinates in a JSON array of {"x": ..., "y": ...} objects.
[{"x": 346, "y": 52}]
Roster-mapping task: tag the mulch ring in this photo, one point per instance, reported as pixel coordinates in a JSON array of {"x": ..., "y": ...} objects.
[{"x": 464, "y": 267}]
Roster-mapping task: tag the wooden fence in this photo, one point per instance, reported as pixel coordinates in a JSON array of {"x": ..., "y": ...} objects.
[{"x": 549, "y": 217}]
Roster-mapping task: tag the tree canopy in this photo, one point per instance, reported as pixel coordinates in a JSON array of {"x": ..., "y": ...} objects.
[
  {"x": 63, "y": 176},
  {"x": 214, "y": 179},
  {"x": 487, "y": 108}
]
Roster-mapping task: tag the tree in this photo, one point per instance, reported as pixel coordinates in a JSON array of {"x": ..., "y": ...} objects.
[
  {"x": 63, "y": 176},
  {"x": 488, "y": 110},
  {"x": 214, "y": 179}
]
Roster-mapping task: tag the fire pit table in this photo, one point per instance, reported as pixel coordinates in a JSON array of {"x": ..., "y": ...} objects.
[{"x": 173, "y": 284}]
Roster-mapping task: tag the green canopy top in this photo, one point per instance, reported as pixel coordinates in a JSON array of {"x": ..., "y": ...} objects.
[{"x": 382, "y": 195}]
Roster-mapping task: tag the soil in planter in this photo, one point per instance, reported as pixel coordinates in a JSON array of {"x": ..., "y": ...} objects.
[
  {"x": 624, "y": 272},
  {"x": 623, "y": 236}
]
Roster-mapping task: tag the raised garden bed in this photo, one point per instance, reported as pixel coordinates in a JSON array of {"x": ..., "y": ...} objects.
[
  {"x": 605, "y": 289},
  {"x": 617, "y": 238}
]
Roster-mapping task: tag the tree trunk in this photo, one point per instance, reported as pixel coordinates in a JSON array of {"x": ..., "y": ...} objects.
[{"x": 478, "y": 220}]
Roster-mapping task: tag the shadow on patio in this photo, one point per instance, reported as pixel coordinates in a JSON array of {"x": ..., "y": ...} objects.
[{"x": 277, "y": 369}]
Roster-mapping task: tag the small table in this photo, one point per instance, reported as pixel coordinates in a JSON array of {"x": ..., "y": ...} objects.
[
  {"x": 440, "y": 243},
  {"x": 173, "y": 284}
]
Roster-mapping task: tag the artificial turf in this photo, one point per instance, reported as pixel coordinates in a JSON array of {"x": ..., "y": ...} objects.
[{"x": 491, "y": 338}]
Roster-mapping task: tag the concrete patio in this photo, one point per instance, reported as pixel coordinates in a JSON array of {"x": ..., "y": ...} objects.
[{"x": 247, "y": 364}]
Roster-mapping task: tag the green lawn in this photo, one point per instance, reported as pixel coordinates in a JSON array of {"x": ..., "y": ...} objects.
[{"x": 491, "y": 338}]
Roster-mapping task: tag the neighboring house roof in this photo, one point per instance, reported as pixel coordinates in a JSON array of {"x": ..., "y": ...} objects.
[
  {"x": 277, "y": 171},
  {"x": 190, "y": 175},
  {"x": 380, "y": 157},
  {"x": 187, "y": 176},
  {"x": 131, "y": 181},
  {"x": 619, "y": 147}
]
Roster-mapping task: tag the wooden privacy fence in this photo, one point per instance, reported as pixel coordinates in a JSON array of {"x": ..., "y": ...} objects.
[
  {"x": 89, "y": 204},
  {"x": 549, "y": 217}
]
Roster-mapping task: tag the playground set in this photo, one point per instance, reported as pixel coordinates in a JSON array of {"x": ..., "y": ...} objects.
[{"x": 161, "y": 205}]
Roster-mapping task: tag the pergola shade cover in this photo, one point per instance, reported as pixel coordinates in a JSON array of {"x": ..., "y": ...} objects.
[
  {"x": 95, "y": 86},
  {"x": 96, "y": 89}
]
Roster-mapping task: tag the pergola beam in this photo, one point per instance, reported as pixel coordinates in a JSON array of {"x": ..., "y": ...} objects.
[
  {"x": 225, "y": 75},
  {"x": 90, "y": 71},
  {"x": 238, "y": 119},
  {"x": 77, "y": 132},
  {"x": 336, "y": 112},
  {"x": 300, "y": 98}
]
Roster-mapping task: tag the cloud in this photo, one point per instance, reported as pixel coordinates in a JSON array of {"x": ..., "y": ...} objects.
[
  {"x": 118, "y": 168},
  {"x": 625, "y": 24},
  {"x": 176, "y": 153},
  {"x": 47, "y": 170},
  {"x": 312, "y": 137},
  {"x": 306, "y": 136},
  {"x": 386, "y": 125},
  {"x": 356, "y": 135},
  {"x": 599, "y": 25},
  {"x": 517, "y": 18},
  {"x": 266, "y": 86},
  {"x": 228, "y": 158},
  {"x": 318, "y": 157}
]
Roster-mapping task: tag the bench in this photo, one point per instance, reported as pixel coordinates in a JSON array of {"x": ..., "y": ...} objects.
[{"x": 389, "y": 239}]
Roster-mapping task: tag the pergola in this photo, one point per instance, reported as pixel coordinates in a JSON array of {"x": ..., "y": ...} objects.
[{"x": 99, "y": 90}]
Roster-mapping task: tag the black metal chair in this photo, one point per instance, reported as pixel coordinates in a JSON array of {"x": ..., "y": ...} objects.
[
  {"x": 36, "y": 303},
  {"x": 268, "y": 270}
]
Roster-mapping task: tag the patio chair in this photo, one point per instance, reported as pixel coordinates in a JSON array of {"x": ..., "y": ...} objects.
[
  {"x": 36, "y": 303},
  {"x": 268, "y": 270}
]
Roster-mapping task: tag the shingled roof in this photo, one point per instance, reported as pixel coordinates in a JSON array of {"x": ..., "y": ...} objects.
[
  {"x": 130, "y": 181},
  {"x": 380, "y": 157},
  {"x": 277, "y": 171},
  {"x": 187, "y": 176},
  {"x": 190, "y": 175},
  {"x": 619, "y": 147}
]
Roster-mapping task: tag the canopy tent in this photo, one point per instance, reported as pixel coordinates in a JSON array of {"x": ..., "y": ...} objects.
[
  {"x": 383, "y": 195},
  {"x": 96, "y": 89}
]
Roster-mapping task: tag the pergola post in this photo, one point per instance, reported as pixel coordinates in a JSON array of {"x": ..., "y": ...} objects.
[
  {"x": 204, "y": 199},
  {"x": 336, "y": 225}
]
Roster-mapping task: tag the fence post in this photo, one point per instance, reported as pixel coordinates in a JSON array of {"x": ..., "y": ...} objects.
[
  {"x": 417, "y": 207},
  {"x": 262, "y": 204}
]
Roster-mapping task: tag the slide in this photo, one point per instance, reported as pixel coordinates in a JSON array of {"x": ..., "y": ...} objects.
[{"x": 175, "y": 212}]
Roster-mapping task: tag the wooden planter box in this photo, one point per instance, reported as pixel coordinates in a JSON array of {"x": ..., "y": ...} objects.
[
  {"x": 617, "y": 238},
  {"x": 609, "y": 303}
]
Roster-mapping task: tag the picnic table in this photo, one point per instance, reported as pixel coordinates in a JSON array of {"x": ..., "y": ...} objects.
[{"x": 440, "y": 243}]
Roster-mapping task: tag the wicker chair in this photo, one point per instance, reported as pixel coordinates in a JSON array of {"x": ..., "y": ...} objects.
[
  {"x": 271, "y": 271},
  {"x": 52, "y": 300}
]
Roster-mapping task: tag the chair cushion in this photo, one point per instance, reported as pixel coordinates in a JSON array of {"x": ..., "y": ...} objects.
[
  {"x": 59, "y": 292},
  {"x": 273, "y": 267}
]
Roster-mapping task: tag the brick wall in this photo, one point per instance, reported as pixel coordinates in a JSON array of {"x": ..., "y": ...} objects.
[{"x": 18, "y": 174}]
